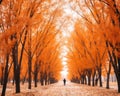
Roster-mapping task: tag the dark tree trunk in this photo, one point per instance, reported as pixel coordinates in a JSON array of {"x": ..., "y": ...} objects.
[
  {"x": 29, "y": 60},
  {"x": 36, "y": 82},
  {"x": 2, "y": 74},
  {"x": 17, "y": 80},
  {"x": 96, "y": 81},
  {"x": 41, "y": 79},
  {"x": 5, "y": 76},
  {"x": 107, "y": 83},
  {"x": 17, "y": 64},
  {"x": 100, "y": 79},
  {"x": 118, "y": 77},
  {"x": 93, "y": 78},
  {"x": 16, "y": 67},
  {"x": 29, "y": 70},
  {"x": 36, "y": 70},
  {"x": 118, "y": 83},
  {"x": 100, "y": 75},
  {"x": 35, "y": 78},
  {"x": 108, "y": 76},
  {"x": 45, "y": 81},
  {"x": 83, "y": 79},
  {"x": 115, "y": 64},
  {"x": 89, "y": 76},
  {"x": 89, "y": 80},
  {"x": 45, "y": 78},
  {"x": 1, "y": 1}
]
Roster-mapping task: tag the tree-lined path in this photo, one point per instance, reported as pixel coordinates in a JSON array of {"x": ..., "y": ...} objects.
[
  {"x": 58, "y": 89},
  {"x": 44, "y": 41}
]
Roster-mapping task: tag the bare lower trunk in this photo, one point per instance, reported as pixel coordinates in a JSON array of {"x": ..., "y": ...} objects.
[
  {"x": 119, "y": 84},
  {"x": 93, "y": 78},
  {"x": 2, "y": 75},
  {"x": 5, "y": 76},
  {"x": 41, "y": 79},
  {"x": 108, "y": 76},
  {"x": 118, "y": 77},
  {"x": 89, "y": 80},
  {"x": 100, "y": 80},
  {"x": 35, "y": 79},
  {"x": 89, "y": 76},
  {"x": 17, "y": 80},
  {"x": 29, "y": 68},
  {"x": 107, "y": 83},
  {"x": 100, "y": 75},
  {"x": 16, "y": 67},
  {"x": 29, "y": 74}
]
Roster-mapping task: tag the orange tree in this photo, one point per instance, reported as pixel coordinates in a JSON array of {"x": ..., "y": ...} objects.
[
  {"x": 103, "y": 17},
  {"x": 38, "y": 16}
]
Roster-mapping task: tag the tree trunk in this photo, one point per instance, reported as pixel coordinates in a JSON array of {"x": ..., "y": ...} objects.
[
  {"x": 89, "y": 76},
  {"x": 2, "y": 75},
  {"x": 29, "y": 70},
  {"x": 45, "y": 78},
  {"x": 41, "y": 79},
  {"x": 17, "y": 80},
  {"x": 29, "y": 59},
  {"x": 45, "y": 81},
  {"x": 108, "y": 76},
  {"x": 119, "y": 83},
  {"x": 93, "y": 78},
  {"x": 82, "y": 79},
  {"x": 100, "y": 75},
  {"x": 89, "y": 80},
  {"x": 118, "y": 77},
  {"x": 107, "y": 83},
  {"x": 16, "y": 67},
  {"x": 1, "y": 1},
  {"x": 35, "y": 78},
  {"x": 96, "y": 80},
  {"x": 36, "y": 70},
  {"x": 116, "y": 69},
  {"x": 5, "y": 76},
  {"x": 115, "y": 65}
]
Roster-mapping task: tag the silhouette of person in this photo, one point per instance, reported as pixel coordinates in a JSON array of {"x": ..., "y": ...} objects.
[{"x": 64, "y": 81}]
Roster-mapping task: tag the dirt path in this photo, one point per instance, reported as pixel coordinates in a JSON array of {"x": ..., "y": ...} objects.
[
  {"x": 72, "y": 89},
  {"x": 59, "y": 89}
]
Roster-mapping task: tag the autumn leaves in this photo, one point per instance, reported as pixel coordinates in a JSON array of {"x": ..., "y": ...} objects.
[
  {"x": 95, "y": 40},
  {"x": 28, "y": 42}
]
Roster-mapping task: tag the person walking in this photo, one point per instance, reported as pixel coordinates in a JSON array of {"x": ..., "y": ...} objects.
[{"x": 64, "y": 81}]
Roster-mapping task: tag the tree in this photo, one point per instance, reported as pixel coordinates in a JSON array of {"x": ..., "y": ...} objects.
[{"x": 97, "y": 12}]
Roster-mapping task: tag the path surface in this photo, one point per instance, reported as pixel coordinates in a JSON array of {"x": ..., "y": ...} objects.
[{"x": 59, "y": 89}]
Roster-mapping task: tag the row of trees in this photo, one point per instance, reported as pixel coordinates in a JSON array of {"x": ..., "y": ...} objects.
[
  {"x": 96, "y": 41},
  {"x": 28, "y": 42}
]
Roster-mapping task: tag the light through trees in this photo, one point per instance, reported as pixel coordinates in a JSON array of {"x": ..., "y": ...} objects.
[{"x": 48, "y": 40}]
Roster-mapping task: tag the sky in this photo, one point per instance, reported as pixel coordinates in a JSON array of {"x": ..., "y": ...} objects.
[{"x": 66, "y": 33}]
